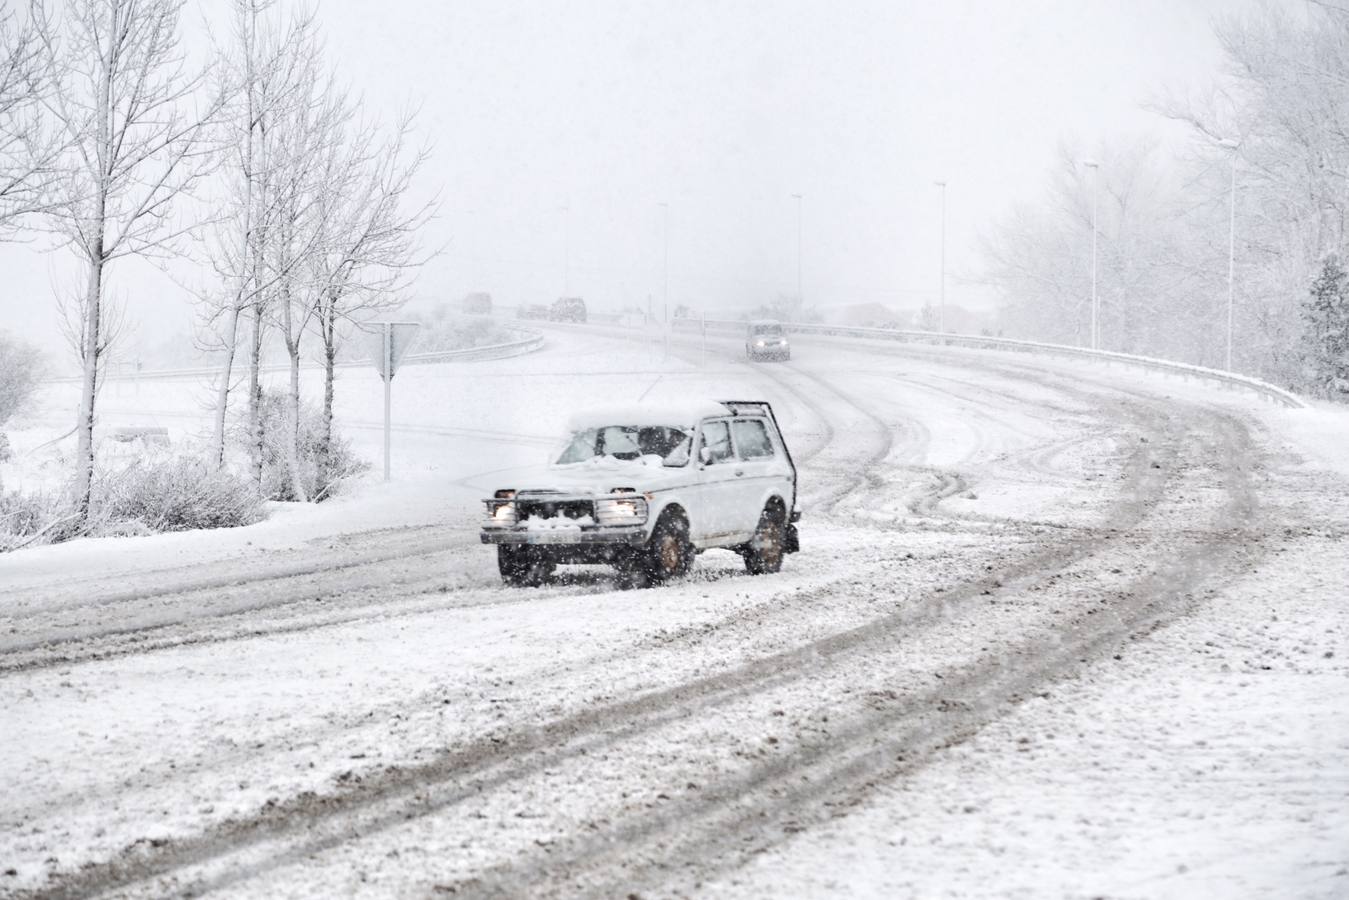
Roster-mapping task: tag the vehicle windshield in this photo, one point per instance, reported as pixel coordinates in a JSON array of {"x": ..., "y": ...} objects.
[
  {"x": 665, "y": 444},
  {"x": 771, "y": 328}
]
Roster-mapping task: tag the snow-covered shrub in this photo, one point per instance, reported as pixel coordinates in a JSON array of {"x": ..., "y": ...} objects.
[
  {"x": 41, "y": 517},
  {"x": 451, "y": 332},
  {"x": 20, "y": 372},
  {"x": 172, "y": 494},
  {"x": 322, "y": 466}
]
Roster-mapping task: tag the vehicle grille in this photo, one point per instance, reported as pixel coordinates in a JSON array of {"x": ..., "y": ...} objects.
[{"x": 551, "y": 509}]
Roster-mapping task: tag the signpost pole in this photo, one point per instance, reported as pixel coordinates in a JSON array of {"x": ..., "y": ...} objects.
[{"x": 388, "y": 390}]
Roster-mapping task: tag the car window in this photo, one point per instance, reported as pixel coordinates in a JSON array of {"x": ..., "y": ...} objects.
[
  {"x": 717, "y": 440},
  {"x": 628, "y": 442},
  {"x": 751, "y": 439}
]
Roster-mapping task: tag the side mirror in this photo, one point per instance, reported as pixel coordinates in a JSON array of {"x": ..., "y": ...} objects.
[{"x": 705, "y": 454}]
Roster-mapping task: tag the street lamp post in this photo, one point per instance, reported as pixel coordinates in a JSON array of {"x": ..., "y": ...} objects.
[
  {"x": 1231, "y": 146},
  {"x": 941, "y": 308},
  {"x": 566, "y": 250},
  {"x": 1095, "y": 173},
  {"x": 665, "y": 256},
  {"x": 800, "y": 297}
]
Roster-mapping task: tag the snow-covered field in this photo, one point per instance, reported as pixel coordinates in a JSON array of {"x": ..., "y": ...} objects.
[{"x": 1056, "y": 629}]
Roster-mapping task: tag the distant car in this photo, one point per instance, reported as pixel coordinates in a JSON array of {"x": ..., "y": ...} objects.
[
  {"x": 477, "y": 303},
  {"x": 568, "y": 309},
  {"x": 532, "y": 311},
  {"x": 645, "y": 490},
  {"x": 767, "y": 339}
]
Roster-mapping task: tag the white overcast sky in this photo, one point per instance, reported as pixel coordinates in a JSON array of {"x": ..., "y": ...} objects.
[{"x": 723, "y": 110}]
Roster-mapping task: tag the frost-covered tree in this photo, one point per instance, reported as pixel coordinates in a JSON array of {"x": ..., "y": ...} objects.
[
  {"x": 29, "y": 148},
  {"x": 1284, "y": 103},
  {"x": 1157, "y": 279},
  {"x": 135, "y": 141},
  {"x": 1326, "y": 342}
]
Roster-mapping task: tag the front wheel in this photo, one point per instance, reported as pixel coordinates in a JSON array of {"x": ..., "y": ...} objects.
[
  {"x": 522, "y": 565},
  {"x": 763, "y": 554},
  {"x": 668, "y": 554}
]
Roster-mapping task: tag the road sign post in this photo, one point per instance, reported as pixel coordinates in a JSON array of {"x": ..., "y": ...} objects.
[{"x": 390, "y": 341}]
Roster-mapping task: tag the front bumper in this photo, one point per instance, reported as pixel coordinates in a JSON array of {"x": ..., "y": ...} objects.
[{"x": 613, "y": 535}]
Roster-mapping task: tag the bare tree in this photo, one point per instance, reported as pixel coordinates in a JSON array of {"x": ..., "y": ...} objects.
[
  {"x": 373, "y": 245},
  {"x": 1285, "y": 103},
  {"x": 28, "y": 150},
  {"x": 122, "y": 100},
  {"x": 304, "y": 137},
  {"x": 318, "y": 231},
  {"x": 266, "y": 65}
]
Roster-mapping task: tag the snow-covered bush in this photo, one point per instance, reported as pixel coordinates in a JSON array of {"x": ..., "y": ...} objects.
[
  {"x": 1325, "y": 314},
  {"x": 322, "y": 469},
  {"x": 450, "y": 332},
  {"x": 20, "y": 371},
  {"x": 172, "y": 494},
  {"x": 41, "y": 517}
]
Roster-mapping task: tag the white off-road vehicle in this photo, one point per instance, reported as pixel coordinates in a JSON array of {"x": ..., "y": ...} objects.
[{"x": 645, "y": 490}]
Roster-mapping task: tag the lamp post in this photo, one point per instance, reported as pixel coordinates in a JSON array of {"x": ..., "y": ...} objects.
[
  {"x": 665, "y": 255},
  {"x": 800, "y": 297},
  {"x": 1095, "y": 172},
  {"x": 1231, "y": 146},
  {"x": 566, "y": 250},
  {"x": 941, "y": 308}
]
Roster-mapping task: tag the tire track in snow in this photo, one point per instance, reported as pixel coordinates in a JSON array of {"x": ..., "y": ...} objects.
[
  {"x": 723, "y": 825},
  {"x": 698, "y": 697},
  {"x": 297, "y": 828}
]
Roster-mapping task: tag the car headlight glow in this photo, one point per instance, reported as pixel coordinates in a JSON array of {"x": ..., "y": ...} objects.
[
  {"x": 501, "y": 509},
  {"x": 625, "y": 511}
]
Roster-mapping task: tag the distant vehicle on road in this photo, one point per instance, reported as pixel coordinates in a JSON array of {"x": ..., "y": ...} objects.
[
  {"x": 767, "y": 339},
  {"x": 478, "y": 303},
  {"x": 568, "y": 309},
  {"x": 532, "y": 311},
  {"x": 645, "y": 490}
]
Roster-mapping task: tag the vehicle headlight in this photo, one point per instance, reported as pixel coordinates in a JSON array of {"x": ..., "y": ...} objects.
[
  {"x": 624, "y": 511},
  {"x": 758, "y": 343},
  {"x": 501, "y": 509}
]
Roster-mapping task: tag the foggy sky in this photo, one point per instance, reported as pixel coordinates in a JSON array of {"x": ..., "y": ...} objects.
[{"x": 558, "y": 129}]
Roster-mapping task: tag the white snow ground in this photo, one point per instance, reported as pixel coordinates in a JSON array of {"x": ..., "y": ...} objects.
[{"x": 1056, "y": 630}]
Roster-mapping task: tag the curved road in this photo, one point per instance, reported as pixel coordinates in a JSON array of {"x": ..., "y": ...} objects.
[{"x": 377, "y": 715}]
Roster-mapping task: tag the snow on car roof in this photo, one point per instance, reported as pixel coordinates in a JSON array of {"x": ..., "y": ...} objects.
[{"x": 648, "y": 414}]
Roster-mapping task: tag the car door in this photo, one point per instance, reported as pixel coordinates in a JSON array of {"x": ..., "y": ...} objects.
[
  {"x": 715, "y": 458},
  {"x": 758, "y": 469}
]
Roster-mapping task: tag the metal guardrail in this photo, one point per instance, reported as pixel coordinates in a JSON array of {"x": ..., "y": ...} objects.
[{"x": 1262, "y": 388}]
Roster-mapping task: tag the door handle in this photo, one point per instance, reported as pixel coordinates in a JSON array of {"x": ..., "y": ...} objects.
[{"x": 739, "y": 472}]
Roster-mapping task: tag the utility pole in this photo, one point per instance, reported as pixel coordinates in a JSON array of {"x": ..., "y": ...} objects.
[
  {"x": 941, "y": 309},
  {"x": 665, "y": 262},
  {"x": 1232, "y": 147},
  {"x": 566, "y": 250},
  {"x": 800, "y": 297},
  {"x": 1095, "y": 176}
]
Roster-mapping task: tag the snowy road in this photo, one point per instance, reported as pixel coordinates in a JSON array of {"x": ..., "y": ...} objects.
[{"x": 1056, "y": 630}]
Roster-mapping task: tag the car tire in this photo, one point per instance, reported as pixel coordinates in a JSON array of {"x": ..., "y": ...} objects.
[
  {"x": 632, "y": 571},
  {"x": 523, "y": 566},
  {"x": 764, "y": 552},
  {"x": 668, "y": 554}
]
